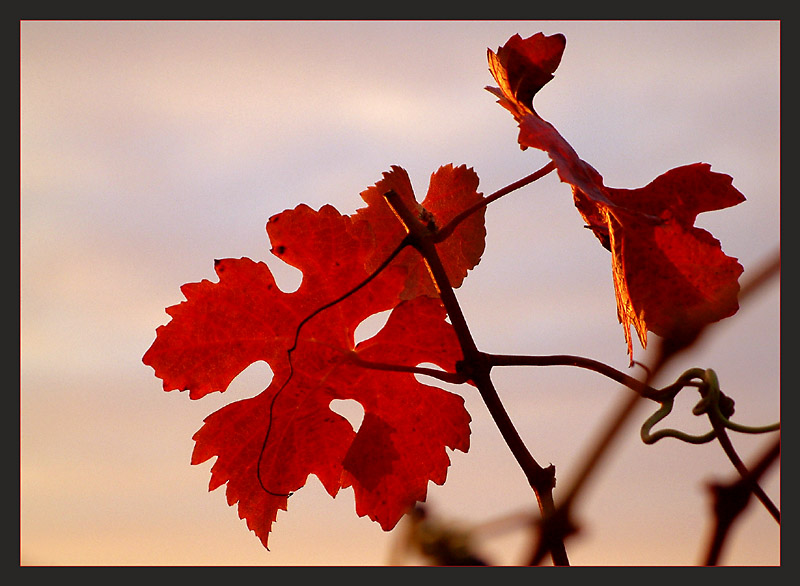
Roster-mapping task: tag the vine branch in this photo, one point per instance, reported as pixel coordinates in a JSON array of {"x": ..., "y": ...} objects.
[
  {"x": 477, "y": 368},
  {"x": 632, "y": 383}
]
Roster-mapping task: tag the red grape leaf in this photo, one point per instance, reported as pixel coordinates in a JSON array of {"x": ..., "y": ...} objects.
[
  {"x": 670, "y": 277},
  {"x": 266, "y": 446}
]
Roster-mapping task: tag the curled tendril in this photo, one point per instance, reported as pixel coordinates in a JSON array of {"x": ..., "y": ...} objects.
[{"x": 713, "y": 403}]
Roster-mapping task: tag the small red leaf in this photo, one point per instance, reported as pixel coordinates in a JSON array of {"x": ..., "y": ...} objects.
[{"x": 523, "y": 66}]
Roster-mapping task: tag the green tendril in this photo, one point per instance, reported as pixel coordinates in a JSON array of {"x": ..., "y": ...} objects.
[{"x": 713, "y": 403}]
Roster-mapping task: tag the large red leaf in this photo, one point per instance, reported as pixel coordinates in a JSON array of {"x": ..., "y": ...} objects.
[
  {"x": 268, "y": 445},
  {"x": 670, "y": 277}
]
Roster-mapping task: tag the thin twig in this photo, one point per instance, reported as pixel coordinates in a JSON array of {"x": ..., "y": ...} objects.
[
  {"x": 579, "y": 361},
  {"x": 447, "y": 230},
  {"x": 741, "y": 468},
  {"x": 732, "y": 499},
  {"x": 448, "y": 377}
]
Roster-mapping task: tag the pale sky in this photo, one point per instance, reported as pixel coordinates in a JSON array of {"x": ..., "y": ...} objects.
[{"x": 149, "y": 149}]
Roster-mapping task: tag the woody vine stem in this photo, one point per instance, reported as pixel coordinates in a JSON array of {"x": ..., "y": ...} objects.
[{"x": 476, "y": 366}]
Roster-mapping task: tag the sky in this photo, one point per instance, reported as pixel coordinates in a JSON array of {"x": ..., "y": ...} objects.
[{"x": 149, "y": 149}]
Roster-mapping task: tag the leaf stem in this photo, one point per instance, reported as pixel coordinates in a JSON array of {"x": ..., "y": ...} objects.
[
  {"x": 448, "y": 377},
  {"x": 632, "y": 383}
]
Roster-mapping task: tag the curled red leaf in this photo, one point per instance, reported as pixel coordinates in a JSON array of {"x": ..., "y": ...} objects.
[
  {"x": 523, "y": 66},
  {"x": 670, "y": 277}
]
